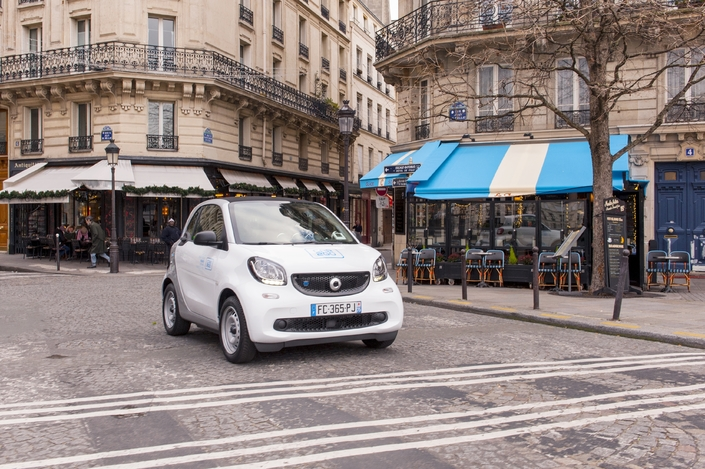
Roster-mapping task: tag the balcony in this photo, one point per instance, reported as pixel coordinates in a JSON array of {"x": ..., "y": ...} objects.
[
  {"x": 386, "y": 91},
  {"x": 303, "y": 164},
  {"x": 32, "y": 147},
  {"x": 488, "y": 124},
  {"x": 422, "y": 132},
  {"x": 325, "y": 168},
  {"x": 83, "y": 61},
  {"x": 162, "y": 142},
  {"x": 686, "y": 112},
  {"x": 581, "y": 117},
  {"x": 277, "y": 159},
  {"x": 325, "y": 64},
  {"x": 341, "y": 27},
  {"x": 278, "y": 35},
  {"x": 379, "y": 131},
  {"x": 80, "y": 144},
  {"x": 358, "y": 72},
  {"x": 244, "y": 152},
  {"x": 388, "y": 136},
  {"x": 343, "y": 74},
  {"x": 379, "y": 85},
  {"x": 341, "y": 171},
  {"x": 23, "y": 2},
  {"x": 303, "y": 50},
  {"x": 369, "y": 127},
  {"x": 325, "y": 13},
  {"x": 246, "y": 14},
  {"x": 369, "y": 79}
]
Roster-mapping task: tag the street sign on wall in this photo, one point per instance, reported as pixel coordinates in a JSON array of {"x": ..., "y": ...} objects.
[{"x": 401, "y": 168}]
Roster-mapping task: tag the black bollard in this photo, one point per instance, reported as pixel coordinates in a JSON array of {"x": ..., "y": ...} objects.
[
  {"x": 623, "y": 262},
  {"x": 409, "y": 269},
  {"x": 463, "y": 277},
  {"x": 58, "y": 253},
  {"x": 535, "y": 272}
]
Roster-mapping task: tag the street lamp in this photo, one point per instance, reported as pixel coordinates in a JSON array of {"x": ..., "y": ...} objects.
[
  {"x": 112, "y": 152},
  {"x": 346, "y": 120}
]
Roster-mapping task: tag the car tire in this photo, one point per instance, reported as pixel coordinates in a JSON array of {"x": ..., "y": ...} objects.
[
  {"x": 234, "y": 336},
  {"x": 377, "y": 344},
  {"x": 173, "y": 323}
]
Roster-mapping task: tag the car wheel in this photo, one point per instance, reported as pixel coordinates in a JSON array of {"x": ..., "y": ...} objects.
[
  {"x": 173, "y": 323},
  {"x": 234, "y": 337},
  {"x": 374, "y": 343}
]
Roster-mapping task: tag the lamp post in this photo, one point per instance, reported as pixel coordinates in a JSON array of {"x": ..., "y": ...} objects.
[
  {"x": 112, "y": 152},
  {"x": 346, "y": 120}
]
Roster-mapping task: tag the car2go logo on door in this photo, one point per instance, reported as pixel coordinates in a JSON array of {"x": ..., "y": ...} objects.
[{"x": 325, "y": 309}]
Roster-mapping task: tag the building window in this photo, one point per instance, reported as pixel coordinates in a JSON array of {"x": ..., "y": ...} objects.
[
  {"x": 370, "y": 70},
  {"x": 246, "y": 12},
  {"x": 83, "y": 32},
  {"x": 573, "y": 97},
  {"x": 496, "y": 89},
  {"x": 245, "y": 53},
  {"x": 303, "y": 152},
  {"x": 303, "y": 39},
  {"x": 358, "y": 55},
  {"x": 685, "y": 66},
  {"x": 161, "y": 126},
  {"x": 277, "y": 137},
  {"x": 277, "y": 69},
  {"x": 160, "y": 50},
  {"x": 33, "y": 142},
  {"x": 325, "y": 163},
  {"x": 244, "y": 147},
  {"x": 82, "y": 139},
  {"x": 369, "y": 116},
  {"x": 33, "y": 36},
  {"x": 387, "y": 118},
  {"x": 370, "y": 158}
]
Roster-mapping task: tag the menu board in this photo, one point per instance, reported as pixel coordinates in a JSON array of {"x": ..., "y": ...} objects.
[{"x": 615, "y": 236}]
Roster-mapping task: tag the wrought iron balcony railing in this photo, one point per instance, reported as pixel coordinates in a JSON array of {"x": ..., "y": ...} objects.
[
  {"x": 422, "y": 132},
  {"x": 686, "y": 112},
  {"x": 379, "y": 131},
  {"x": 325, "y": 168},
  {"x": 162, "y": 142},
  {"x": 3, "y": 148},
  {"x": 81, "y": 143},
  {"x": 324, "y": 12},
  {"x": 488, "y": 124},
  {"x": 341, "y": 171},
  {"x": 343, "y": 74},
  {"x": 116, "y": 56},
  {"x": 246, "y": 14},
  {"x": 22, "y": 2},
  {"x": 277, "y": 159},
  {"x": 581, "y": 117},
  {"x": 244, "y": 153},
  {"x": 29, "y": 147},
  {"x": 303, "y": 164},
  {"x": 325, "y": 64},
  {"x": 342, "y": 27},
  {"x": 277, "y": 34},
  {"x": 303, "y": 50},
  {"x": 369, "y": 127}
]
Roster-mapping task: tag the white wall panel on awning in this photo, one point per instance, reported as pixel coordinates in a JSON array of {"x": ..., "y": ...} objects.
[
  {"x": 39, "y": 178},
  {"x": 235, "y": 177},
  {"x": 286, "y": 182},
  {"x": 182, "y": 177},
  {"x": 98, "y": 177},
  {"x": 310, "y": 185}
]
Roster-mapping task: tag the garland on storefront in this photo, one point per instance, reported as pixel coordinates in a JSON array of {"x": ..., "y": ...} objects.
[
  {"x": 244, "y": 187},
  {"x": 33, "y": 195},
  {"x": 316, "y": 193},
  {"x": 293, "y": 191},
  {"x": 168, "y": 190}
]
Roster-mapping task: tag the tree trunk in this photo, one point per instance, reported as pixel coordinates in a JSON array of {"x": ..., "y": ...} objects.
[{"x": 601, "y": 189}]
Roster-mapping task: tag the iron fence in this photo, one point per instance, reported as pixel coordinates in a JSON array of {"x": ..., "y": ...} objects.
[
  {"x": 686, "y": 112},
  {"x": 487, "y": 124},
  {"x": 246, "y": 14},
  {"x": 422, "y": 132},
  {"x": 81, "y": 143},
  {"x": 581, "y": 117},
  {"x": 35, "y": 146},
  {"x": 244, "y": 152},
  {"x": 162, "y": 142},
  {"x": 277, "y": 159}
]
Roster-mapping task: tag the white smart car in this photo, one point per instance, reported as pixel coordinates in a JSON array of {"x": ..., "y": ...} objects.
[{"x": 266, "y": 273}]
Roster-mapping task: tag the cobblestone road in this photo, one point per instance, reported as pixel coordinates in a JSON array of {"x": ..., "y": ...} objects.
[{"x": 88, "y": 378}]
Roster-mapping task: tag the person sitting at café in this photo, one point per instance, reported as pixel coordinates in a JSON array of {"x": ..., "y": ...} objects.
[
  {"x": 64, "y": 249},
  {"x": 82, "y": 236}
]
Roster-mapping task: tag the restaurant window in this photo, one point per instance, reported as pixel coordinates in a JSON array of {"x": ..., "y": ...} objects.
[
  {"x": 474, "y": 217},
  {"x": 427, "y": 225},
  {"x": 558, "y": 219},
  {"x": 515, "y": 226}
]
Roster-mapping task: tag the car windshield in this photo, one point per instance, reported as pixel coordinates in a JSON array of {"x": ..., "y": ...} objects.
[{"x": 286, "y": 222}]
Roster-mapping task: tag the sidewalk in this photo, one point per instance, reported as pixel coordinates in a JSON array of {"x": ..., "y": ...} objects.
[{"x": 675, "y": 318}]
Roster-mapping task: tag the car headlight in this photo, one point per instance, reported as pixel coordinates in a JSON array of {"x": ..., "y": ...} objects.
[
  {"x": 266, "y": 271},
  {"x": 379, "y": 270}
]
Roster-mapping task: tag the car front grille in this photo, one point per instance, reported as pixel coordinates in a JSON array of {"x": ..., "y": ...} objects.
[
  {"x": 330, "y": 323},
  {"x": 320, "y": 284}
]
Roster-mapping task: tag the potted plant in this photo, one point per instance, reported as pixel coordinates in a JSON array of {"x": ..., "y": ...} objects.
[
  {"x": 518, "y": 269},
  {"x": 449, "y": 267}
]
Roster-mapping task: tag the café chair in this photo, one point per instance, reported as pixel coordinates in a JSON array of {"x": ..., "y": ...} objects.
[
  {"x": 425, "y": 266},
  {"x": 402, "y": 266},
  {"x": 79, "y": 251},
  {"x": 494, "y": 264},
  {"x": 575, "y": 268},
  {"x": 548, "y": 268},
  {"x": 656, "y": 267},
  {"x": 474, "y": 263},
  {"x": 679, "y": 269}
]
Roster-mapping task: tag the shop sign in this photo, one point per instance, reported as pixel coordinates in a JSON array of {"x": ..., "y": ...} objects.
[
  {"x": 17, "y": 166},
  {"x": 382, "y": 201},
  {"x": 399, "y": 182},
  {"x": 615, "y": 234},
  {"x": 401, "y": 168}
]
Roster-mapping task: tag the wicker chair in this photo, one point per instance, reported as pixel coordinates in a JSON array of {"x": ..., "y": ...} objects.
[
  {"x": 655, "y": 267},
  {"x": 679, "y": 268}
]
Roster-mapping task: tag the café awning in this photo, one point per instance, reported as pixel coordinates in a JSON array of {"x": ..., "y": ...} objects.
[
  {"x": 506, "y": 170},
  {"x": 329, "y": 187},
  {"x": 286, "y": 182},
  {"x": 243, "y": 177},
  {"x": 310, "y": 185},
  {"x": 40, "y": 178},
  {"x": 99, "y": 178},
  {"x": 183, "y": 177}
]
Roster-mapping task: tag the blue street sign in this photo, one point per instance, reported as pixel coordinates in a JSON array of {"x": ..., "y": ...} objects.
[
  {"x": 106, "y": 133},
  {"x": 207, "y": 136},
  {"x": 458, "y": 111},
  {"x": 401, "y": 168},
  {"x": 399, "y": 182},
  {"x": 690, "y": 152}
]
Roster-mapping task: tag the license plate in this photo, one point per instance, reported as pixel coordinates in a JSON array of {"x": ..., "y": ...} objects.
[{"x": 328, "y": 309}]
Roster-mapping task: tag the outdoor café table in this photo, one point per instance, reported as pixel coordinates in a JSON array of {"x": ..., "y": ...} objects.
[{"x": 668, "y": 288}]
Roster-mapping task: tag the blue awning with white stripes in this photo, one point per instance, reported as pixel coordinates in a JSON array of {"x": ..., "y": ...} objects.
[{"x": 505, "y": 170}]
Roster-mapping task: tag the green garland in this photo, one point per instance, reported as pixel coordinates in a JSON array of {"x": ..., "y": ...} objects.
[
  {"x": 316, "y": 193},
  {"x": 167, "y": 190},
  {"x": 293, "y": 191},
  {"x": 242, "y": 186},
  {"x": 32, "y": 195}
]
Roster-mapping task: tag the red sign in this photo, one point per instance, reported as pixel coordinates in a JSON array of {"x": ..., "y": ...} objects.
[{"x": 381, "y": 191}]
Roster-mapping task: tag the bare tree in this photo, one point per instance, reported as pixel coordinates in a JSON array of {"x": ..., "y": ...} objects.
[{"x": 618, "y": 50}]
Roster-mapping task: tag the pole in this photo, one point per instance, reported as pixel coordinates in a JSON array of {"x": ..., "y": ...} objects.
[
  {"x": 464, "y": 276},
  {"x": 346, "y": 194},
  {"x": 58, "y": 253},
  {"x": 535, "y": 272},
  {"x": 409, "y": 268},
  {"x": 620, "y": 284},
  {"x": 114, "y": 254}
]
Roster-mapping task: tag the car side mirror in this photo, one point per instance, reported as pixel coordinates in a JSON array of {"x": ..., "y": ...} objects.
[{"x": 206, "y": 238}]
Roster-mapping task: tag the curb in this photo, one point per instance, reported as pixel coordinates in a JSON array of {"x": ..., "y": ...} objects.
[{"x": 567, "y": 324}]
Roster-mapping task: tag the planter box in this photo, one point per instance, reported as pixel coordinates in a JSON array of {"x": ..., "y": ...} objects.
[
  {"x": 449, "y": 270},
  {"x": 518, "y": 273}
]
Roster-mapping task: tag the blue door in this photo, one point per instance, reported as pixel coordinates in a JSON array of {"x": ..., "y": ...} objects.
[{"x": 680, "y": 197}]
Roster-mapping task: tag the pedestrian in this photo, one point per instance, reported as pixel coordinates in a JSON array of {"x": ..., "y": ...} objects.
[
  {"x": 170, "y": 234},
  {"x": 357, "y": 228},
  {"x": 98, "y": 242}
]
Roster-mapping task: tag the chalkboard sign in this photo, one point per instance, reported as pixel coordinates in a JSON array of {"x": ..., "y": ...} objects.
[{"x": 615, "y": 240}]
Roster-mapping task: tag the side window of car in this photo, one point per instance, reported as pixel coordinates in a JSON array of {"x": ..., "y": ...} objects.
[
  {"x": 211, "y": 219},
  {"x": 192, "y": 227}
]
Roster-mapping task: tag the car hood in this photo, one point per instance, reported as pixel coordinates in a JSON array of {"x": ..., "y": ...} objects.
[{"x": 304, "y": 258}]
